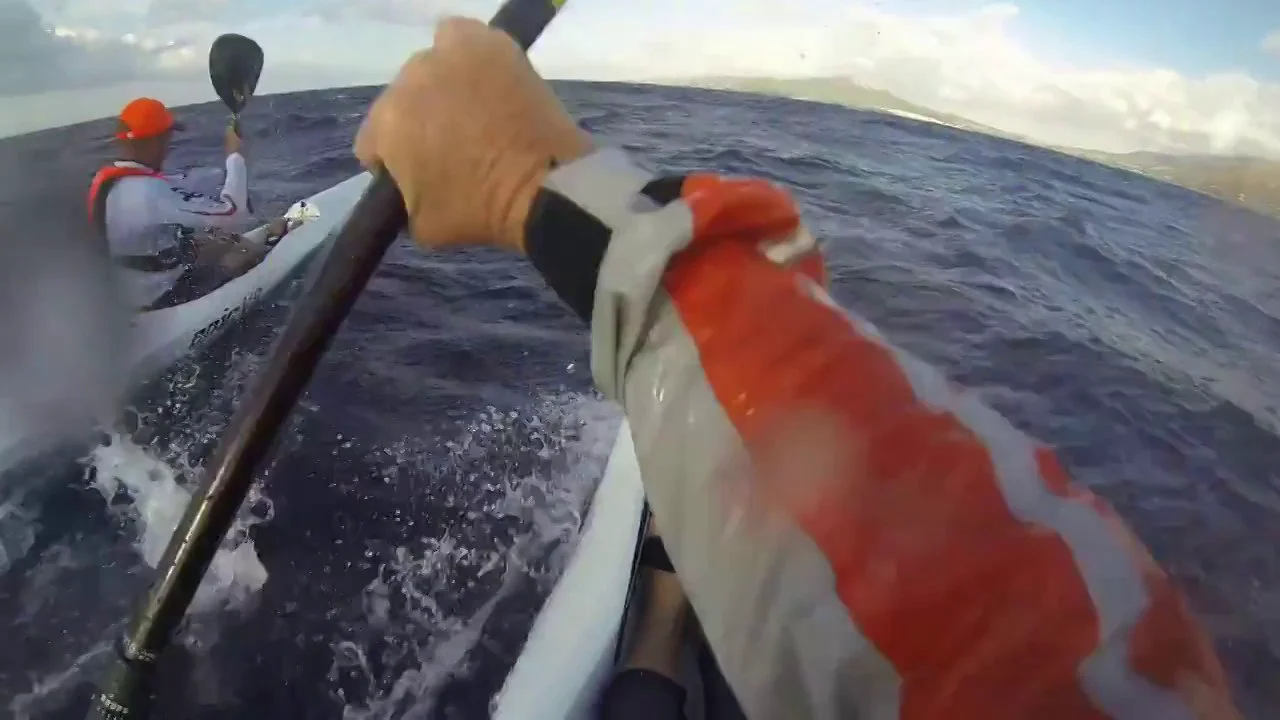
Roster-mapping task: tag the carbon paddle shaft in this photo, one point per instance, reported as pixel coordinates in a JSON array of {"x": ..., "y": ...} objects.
[{"x": 358, "y": 247}]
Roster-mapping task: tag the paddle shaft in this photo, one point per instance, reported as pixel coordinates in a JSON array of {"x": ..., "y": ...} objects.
[{"x": 358, "y": 247}]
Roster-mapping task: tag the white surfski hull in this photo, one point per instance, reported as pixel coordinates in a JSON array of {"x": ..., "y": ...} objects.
[
  {"x": 162, "y": 337},
  {"x": 569, "y": 655}
]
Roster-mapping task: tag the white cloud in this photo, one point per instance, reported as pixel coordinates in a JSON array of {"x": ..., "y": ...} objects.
[
  {"x": 971, "y": 62},
  {"x": 418, "y": 13},
  {"x": 36, "y": 56},
  {"x": 159, "y": 13},
  {"x": 1271, "y": 43}
]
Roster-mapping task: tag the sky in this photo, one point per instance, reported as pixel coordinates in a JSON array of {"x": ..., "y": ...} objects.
[{"x": 1118, "y": 75}]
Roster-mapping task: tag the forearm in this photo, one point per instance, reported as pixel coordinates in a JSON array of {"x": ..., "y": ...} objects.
[
  {"x": 855, "y": 534},
  {"x": 235, "y": 185}
]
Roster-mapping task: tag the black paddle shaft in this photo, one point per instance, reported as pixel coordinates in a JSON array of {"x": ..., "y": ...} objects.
[{"x": 358, "y": 247}]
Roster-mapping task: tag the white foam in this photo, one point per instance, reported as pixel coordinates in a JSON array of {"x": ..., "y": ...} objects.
[
  {"x": 404, "y": 606},
  {"x": 17, "y": 532},
  {"x": 412, "y": 603},
  {"x": 25, "y": 706},
  {"x": 148, "y": 489},
  {"x": 159, "y": 501}
]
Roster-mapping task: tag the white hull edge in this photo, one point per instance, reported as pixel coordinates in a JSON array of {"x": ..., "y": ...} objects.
[
  {"x": 569, "y": 655},
  {"x": 162, "y": 337}
]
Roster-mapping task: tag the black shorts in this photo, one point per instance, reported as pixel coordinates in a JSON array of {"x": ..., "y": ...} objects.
[{"x": 639, "y": 694}]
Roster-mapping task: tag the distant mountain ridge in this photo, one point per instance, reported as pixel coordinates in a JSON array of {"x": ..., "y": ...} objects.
[
  {"x": 1251, "y": 182},
  {"x": 1246, "y": 181},
  {"x": 839, "y": 91}
]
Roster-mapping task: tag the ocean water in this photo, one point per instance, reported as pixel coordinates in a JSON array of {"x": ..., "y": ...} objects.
[{"x": 426, "y": 493}]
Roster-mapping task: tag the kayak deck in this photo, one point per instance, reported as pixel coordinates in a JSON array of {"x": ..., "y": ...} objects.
[{"x": 587, "y": 623}]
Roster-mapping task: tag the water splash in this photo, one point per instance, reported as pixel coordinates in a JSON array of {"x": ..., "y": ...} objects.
[
  {"x": 140, "y": 480},
  {"x": 422, "y": 622},
  {"x": 17, "y": 531},
  {"x": 156, "y": 495}
]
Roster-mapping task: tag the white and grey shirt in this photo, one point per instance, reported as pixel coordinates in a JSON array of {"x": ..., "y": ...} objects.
[{"x": 151, "y": 225}]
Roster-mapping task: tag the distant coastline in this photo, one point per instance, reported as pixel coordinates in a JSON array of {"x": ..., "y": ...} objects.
[{"x": 1249, "y": 182}]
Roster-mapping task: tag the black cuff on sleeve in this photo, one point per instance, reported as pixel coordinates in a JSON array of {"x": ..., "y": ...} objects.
[{"x": 566, "y": 244}]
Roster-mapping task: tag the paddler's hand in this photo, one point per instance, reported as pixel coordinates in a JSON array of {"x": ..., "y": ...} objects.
[
  {"x": 278, "y": 227},
  {"x": 468, "y": 130}
]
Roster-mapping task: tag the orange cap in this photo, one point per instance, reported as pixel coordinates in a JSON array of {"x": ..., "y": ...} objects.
[{"x": 145, "y": 118}]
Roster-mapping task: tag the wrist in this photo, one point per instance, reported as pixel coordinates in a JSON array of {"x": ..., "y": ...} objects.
[
  {"x": 515, "y": 217},
  {"x": 575, "y": 212},
  {"x": 534, "y": 170}
]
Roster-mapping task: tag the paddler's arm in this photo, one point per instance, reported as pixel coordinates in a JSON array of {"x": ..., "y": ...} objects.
[
  {"x": 855, "y": 533},
  {"x": 858, "y": 537},
  {"x": 235, "y": 185},
  {"x": 229, "y": 212},
  {"x": 226, "y": 213}
]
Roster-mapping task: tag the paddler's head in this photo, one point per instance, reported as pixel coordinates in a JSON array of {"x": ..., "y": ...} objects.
[{"x": 144, "y": 130}]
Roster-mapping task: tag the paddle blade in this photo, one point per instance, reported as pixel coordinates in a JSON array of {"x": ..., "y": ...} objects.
[{"x": 235, "y": 62}]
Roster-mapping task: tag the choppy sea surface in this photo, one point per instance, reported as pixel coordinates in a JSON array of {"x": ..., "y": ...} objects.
[{"x": 431, "y": 486}]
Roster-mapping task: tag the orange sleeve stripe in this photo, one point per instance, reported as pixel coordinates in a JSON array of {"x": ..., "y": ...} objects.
[
  {"x": 720, "y": 213},
  {"x": 983, "y": 615}
]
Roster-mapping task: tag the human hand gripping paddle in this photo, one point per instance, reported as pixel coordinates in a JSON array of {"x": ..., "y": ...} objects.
[{"x": 358, "y": 247}]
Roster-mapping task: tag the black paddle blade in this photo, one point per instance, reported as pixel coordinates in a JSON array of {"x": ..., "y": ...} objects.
[{"x": 235, "y": 62}]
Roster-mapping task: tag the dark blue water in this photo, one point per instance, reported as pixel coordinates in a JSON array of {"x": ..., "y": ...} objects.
[{"x": 426, "y": 493}]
